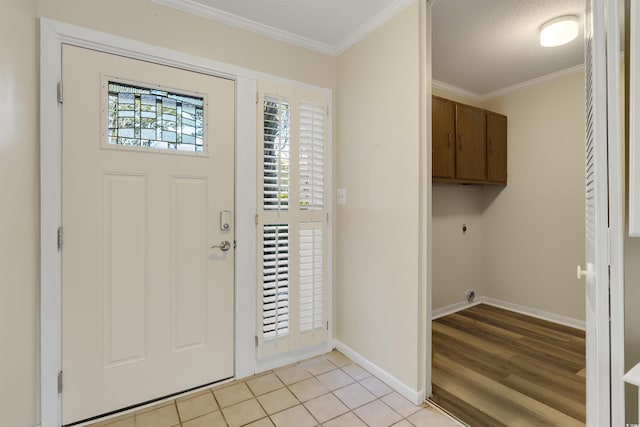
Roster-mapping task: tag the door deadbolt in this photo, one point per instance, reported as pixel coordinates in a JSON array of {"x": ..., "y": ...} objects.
[{"x": 225, "y": 220}]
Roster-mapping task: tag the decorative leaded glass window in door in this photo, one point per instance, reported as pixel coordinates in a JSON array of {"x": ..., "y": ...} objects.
[{"x": 155, "y": 118}]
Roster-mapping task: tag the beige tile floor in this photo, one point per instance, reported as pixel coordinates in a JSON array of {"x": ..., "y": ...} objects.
[{"x": 328, "y": 390}]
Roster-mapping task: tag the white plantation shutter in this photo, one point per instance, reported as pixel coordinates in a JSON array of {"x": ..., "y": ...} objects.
[
  {"x": 276, "y": 154},
  {"x": 312, "y": 119},
  {"x": 311, "y": 272},
  {"x": 292, "y": 219},
  {"x": 275, "y": 284}
]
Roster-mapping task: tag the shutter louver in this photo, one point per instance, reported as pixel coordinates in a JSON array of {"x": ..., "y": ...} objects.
[
  {"x": 590, "y": 167},
  {"x": 276, "y": 143},
  {"x": 311, "y": 270},
  {"x": 312, "y": 120},
  {"x": 275, "y": 281}
]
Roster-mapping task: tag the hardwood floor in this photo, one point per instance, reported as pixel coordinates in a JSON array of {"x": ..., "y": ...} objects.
[{"x": 494, "y": 367}]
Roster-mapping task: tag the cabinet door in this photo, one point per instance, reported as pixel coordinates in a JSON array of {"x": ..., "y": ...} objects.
[
  {"x": 470, "y": 137},
  {"x": 442, "y": 134},
  {"x": 496, "y": 148}
]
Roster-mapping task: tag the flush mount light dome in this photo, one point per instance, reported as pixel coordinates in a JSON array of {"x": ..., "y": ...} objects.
[{"x": 559, "y": 31}]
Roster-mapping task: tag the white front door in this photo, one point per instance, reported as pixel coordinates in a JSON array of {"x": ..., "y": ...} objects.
[{"x": 148, "y": 186}]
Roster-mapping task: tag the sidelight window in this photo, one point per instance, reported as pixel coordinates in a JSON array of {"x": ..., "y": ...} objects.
[{"x": 292, "y": 219}]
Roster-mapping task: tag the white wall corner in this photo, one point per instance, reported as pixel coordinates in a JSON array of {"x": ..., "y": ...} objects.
[{"x": 415, "y": 396}]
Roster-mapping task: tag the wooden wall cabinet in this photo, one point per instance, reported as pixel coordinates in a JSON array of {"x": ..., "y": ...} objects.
[
  {"x": 469, "y": 145},
  {"x": 471, "y": 163},
  {"x": 443, "y": 138},
  {"x": 496, "y": 148}
]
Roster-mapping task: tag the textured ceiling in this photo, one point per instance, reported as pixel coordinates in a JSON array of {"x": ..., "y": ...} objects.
[
  {"x": 480, "y": 46},
  {"x": 486, "y": 45}
]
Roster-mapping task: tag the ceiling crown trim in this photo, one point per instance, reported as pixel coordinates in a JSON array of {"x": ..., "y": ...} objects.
[
  {"x": 227, "y": 18},
  {"x": 509, "y": 89},
  {"x": 538, "y": 80},
  {"x": 437, "y": 84},
  {"x": 247, "y": 24},
  {"x": 373, "y": 24}
]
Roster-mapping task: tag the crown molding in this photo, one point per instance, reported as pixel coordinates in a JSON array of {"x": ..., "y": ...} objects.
[
  {"x": 230, "y": 19},
  {"x": 373, "y": 24},
  {"x": 519, "y": 86},
  {"x": 377, "y": 21},
  {"x": 455, "y": 89},
  {"x": 509, "y": 89}
]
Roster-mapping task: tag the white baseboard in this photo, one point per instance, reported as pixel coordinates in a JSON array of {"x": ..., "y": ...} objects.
[
  {"x": 417, "y": 397},
  {"x": 285, "y": 359},
  {"x": 529, "y": 311},
  {"x": 450, "y": 309},
  {"x": 534, "y": 312}
]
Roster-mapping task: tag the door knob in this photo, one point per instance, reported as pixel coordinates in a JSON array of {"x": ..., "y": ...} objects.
[{"x": 224, "y": 246}]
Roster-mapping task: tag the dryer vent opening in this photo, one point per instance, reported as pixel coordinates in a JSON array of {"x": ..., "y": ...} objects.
[{"x": 470, "y": 295}]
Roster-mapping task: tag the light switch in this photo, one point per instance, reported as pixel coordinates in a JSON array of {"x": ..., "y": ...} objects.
[
  {"x": 342, "y": 196},
  {"x": 225, "y": 220}
]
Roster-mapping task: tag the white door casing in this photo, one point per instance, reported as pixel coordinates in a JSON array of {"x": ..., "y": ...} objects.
[
  {"x": 53, "y": 34},
  {"x": 143, "y": 293},
  {"x": 615, "y": 178}
]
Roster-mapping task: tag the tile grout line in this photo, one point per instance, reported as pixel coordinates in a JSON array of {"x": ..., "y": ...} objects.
[
  {"x": 257, "y": 400},
  {"x": 336, "y": 367},
  {"x": 215, "y": 399}
]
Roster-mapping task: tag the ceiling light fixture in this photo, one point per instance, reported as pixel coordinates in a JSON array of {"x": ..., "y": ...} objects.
[{"x": 559, "y": 31}]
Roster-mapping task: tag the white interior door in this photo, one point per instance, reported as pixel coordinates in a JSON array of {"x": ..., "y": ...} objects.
[
  {"x": 596, "y": 276},
  {"x": 603, "y": 274},
  {"x": 147, "y": 302}
]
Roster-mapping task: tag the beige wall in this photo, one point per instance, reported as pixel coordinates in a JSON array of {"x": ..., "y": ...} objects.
[
  {"x": 527, "y": 237},
  {"x": 456, "y": 257},
  {"x": 160, "y": 25},
  {"x": 533, "y": 229},
  {"x": 377, "y": 230},
  {"x": 19, "y": 158},
  {"x": 18, "y": 215}
]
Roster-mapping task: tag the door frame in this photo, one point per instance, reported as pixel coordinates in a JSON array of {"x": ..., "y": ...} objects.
[
  {"x": 615, "y": 203},
  {"x": 53, "y": 34}
]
